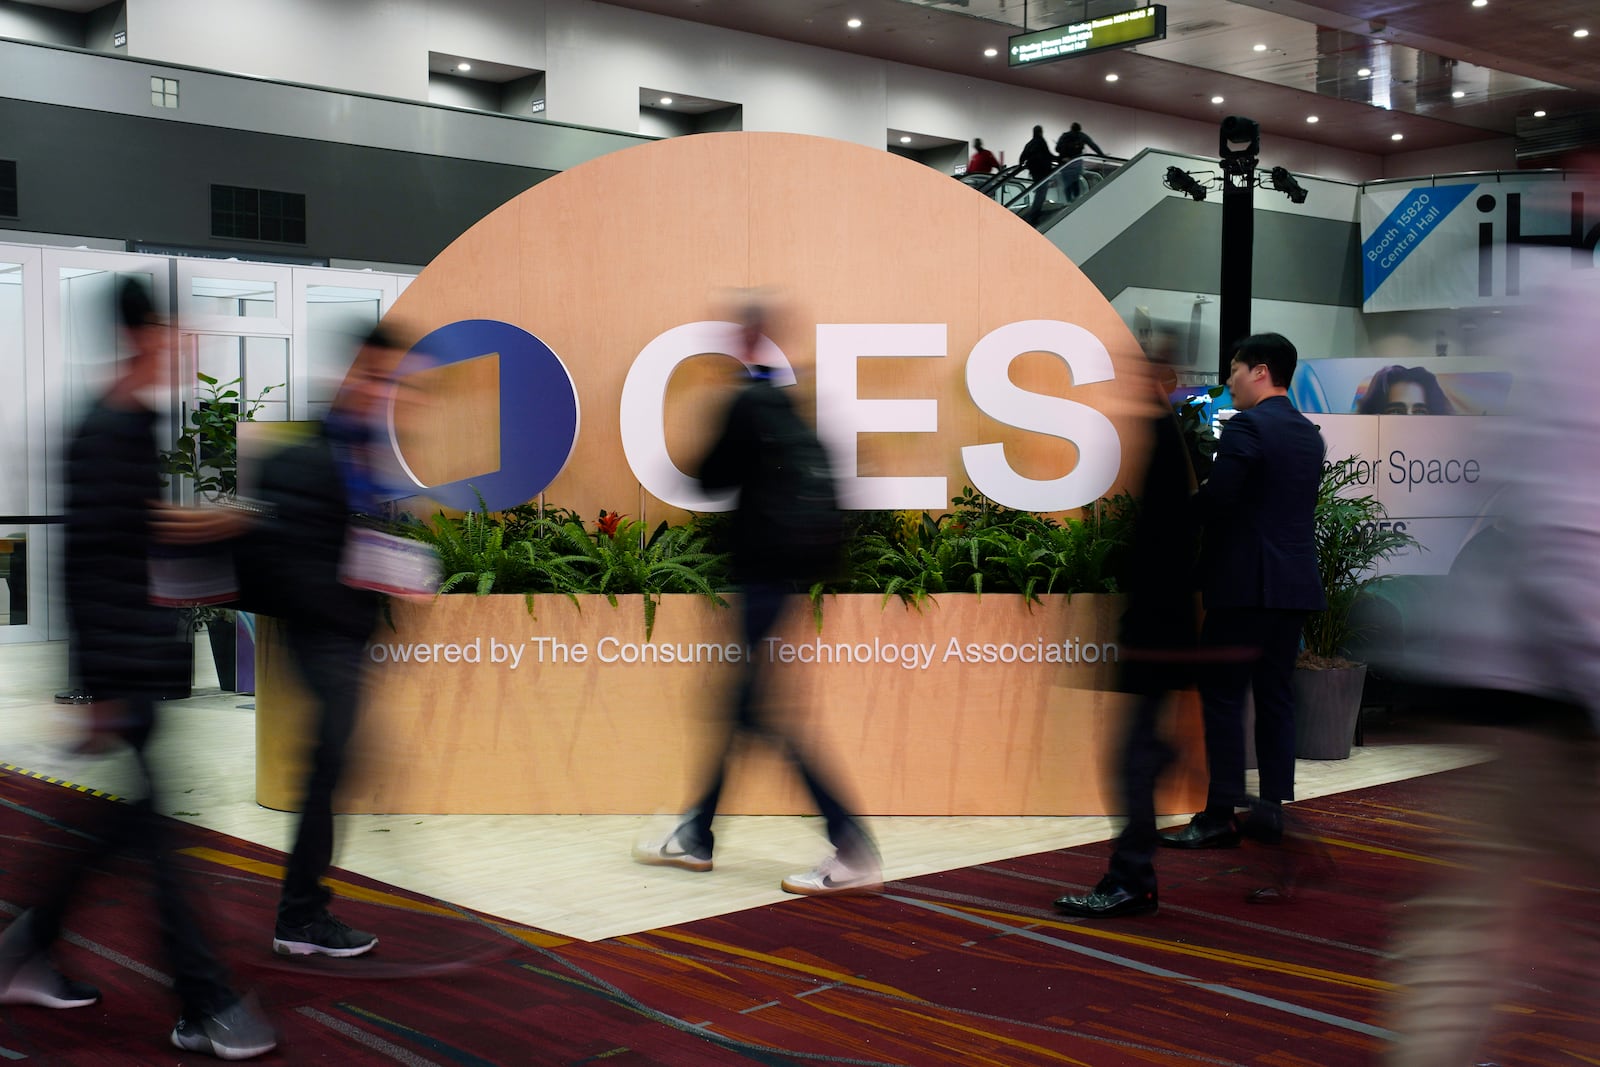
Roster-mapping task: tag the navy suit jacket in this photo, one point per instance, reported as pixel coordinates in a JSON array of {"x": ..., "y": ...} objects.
[{"x": 1258, "y": 510}]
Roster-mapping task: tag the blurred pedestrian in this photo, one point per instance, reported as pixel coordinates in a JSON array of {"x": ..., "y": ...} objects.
[
  {"x": 1513, "y": 642},
  {"x": 310, "y": 491},
  {"x": 1158, "y": 655},
  {"x": 982, "y": 161},
  {"x": 129, "y": 653},
  {"x": 785, "y": 533},
  {"x": 1259, "y": 580}
]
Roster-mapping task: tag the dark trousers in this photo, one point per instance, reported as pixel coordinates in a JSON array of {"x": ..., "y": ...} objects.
[
  {"x": 200, "y": 980},
  {"x": 761, "y": 606},
  {"x": 1253, "y": 649},
  {"x": 330, "y": 666},
  {"x": 1144, "y": 756}
]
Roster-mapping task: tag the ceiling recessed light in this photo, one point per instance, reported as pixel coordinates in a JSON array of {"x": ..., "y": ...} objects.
[
  {"x": 1260, "y": 48},
  {"x": 1480, "y": 3},
  {"x": 1397, "y": 137},
  {"x": 666, "y": 101},
  {"x": 1458, "y": 94},
  {"x": 1111, "y": 77},
  {"x": 854, "y": 24},
  {"x": 905, "y": 140},
  {"x": 463, "y": 66},
  {"x": 1364, "y": 72},
  {"x": 1580, "y": 33},
  {"x": 1216, "y": 99},
  {"x": 1312, "y": 118},
  {"x": 991, "y": 52},
  {"x": 1538, "y": 114}
]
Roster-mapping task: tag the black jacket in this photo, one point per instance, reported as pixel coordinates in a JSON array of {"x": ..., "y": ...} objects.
[
  {"x": 739, "y": 460},
  {"x": 1037, "y": 159},
  {"x": 290, "y": 563},
  {"x": 1258, "y": 510},
  {"x": 123, "y": 646}
]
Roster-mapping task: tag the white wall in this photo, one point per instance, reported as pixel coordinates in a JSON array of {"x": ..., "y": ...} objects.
[{"x": 1499, "y": 153}]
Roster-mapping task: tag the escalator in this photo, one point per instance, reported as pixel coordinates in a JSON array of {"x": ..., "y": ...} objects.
[{"x": 1044, "y": 202}]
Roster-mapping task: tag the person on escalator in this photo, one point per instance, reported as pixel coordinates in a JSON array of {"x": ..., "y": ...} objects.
[
  {"x": 983, "y": 161},
  {"x": 1069, "y": 149},
  {"x": 1039, "y": 162}
]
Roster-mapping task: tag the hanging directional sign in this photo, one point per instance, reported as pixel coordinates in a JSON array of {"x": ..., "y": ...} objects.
[{"x": 1095, "y": 35}]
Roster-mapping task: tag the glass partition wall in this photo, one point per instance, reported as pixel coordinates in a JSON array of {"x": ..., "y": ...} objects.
[{"x": 283, "y": 336}]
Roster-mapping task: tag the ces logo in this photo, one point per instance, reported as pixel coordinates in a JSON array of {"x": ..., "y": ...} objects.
[{"x": 539, "y": 411}]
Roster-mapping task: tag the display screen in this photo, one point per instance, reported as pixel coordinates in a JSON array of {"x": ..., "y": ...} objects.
[{"x": 1096, "y": 35}]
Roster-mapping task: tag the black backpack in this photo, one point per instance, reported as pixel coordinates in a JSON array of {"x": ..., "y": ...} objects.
[{"x": 793, "y": 507}]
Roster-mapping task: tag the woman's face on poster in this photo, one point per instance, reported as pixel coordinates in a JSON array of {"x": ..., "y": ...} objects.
[{"x": 1406, "y": 398}]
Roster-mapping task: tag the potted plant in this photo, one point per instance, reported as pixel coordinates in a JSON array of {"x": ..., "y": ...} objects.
[
  {"x": 1352, "y": 537},
  {"x": 206, "y": 452}
]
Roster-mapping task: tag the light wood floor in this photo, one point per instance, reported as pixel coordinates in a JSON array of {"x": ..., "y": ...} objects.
[{"x": 569, "y": 874}]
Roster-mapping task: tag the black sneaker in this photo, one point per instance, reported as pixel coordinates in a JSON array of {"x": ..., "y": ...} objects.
[
  {"x": 324, "y": 936},
  {"x": 234, "y": 1033},
  {"x": 37, "y": 982}
]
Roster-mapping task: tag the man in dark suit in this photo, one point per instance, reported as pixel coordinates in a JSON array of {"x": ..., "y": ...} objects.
[{"x": 1259, "y": 579}]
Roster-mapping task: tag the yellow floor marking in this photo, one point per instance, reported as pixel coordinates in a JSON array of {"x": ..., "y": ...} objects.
[
  {"x": 348, "y": 891},
  {"x": 59, "y": 781},
  {"x": 780, "y": 961}
]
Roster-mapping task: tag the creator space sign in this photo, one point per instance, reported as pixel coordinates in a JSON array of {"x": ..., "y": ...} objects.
[{"x": 1434, "y": 474}]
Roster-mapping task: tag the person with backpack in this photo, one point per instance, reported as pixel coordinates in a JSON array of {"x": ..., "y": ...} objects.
[{"x": 785, "y": 534}]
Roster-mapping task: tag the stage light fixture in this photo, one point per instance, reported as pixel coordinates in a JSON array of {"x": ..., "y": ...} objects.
[
  {"x": 1284, "y": 183},
  {"x": 1181, "y": 181}
]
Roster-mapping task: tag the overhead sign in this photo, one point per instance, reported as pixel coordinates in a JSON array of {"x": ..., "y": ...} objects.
[{"x": 1121, "y": 30}]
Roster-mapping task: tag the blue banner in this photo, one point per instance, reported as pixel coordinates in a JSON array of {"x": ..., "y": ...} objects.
[{"x": 1415, "y": 217}]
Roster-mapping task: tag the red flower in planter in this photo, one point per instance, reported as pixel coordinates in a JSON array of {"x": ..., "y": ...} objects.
[{"x": 607, "y": 523}]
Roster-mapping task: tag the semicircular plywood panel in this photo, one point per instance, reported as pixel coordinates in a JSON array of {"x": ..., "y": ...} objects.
[{"x": 603, "y": 261}]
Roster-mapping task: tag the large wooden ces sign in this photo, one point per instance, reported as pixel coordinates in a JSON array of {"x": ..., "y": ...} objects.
[{"x": 578, "y": 335}]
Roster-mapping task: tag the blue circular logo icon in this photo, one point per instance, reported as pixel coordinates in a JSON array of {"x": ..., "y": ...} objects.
[{"x": 538, "y": 407}]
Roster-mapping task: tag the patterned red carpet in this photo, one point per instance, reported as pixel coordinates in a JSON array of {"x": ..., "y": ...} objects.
[{"x": 967, "y": 967}]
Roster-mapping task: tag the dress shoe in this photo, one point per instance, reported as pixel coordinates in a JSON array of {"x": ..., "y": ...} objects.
[
  {"x": 1108, "y": 901},
  {"x": 1205, "y": 831}
]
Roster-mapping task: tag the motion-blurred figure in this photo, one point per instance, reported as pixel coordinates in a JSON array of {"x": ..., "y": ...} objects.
[
  {"x": 1158, "y": 642},
  {"x": 785, "y": 532},
  {"x": 1516, "y": 650},
  {"x": 983, "y": 160},
  {"x": 128, "y": 653},
  {"x": 1259, "y": 579},
  {"x": 310, "y": 490}
]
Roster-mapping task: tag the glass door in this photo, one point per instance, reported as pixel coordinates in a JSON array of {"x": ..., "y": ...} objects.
[{"x": 334, "y": 310}]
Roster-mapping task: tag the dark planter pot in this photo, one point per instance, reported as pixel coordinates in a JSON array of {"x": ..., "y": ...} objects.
[
  {"x": 1327, "y": 705},
  {"x": 223, "y": 650}
]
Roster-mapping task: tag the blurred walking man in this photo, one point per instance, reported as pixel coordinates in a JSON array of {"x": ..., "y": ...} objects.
[
  {"x": 785, "y": 531},
  {"x": 128, "y": 653}
]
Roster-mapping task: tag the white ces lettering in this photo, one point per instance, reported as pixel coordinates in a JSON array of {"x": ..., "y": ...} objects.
[
  {"x": 843, "y": 415},
  {"x": 989, "y": 383}
]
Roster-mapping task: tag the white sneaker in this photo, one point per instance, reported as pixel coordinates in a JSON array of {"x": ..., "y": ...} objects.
[
  {"x": 668, "y": 851},
  {"x": 833, "y": 875}
]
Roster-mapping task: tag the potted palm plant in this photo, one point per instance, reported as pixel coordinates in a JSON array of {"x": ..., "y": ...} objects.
[
  {"x": 206, "y": 452},
  {"x": 1353, "y": 536}
]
